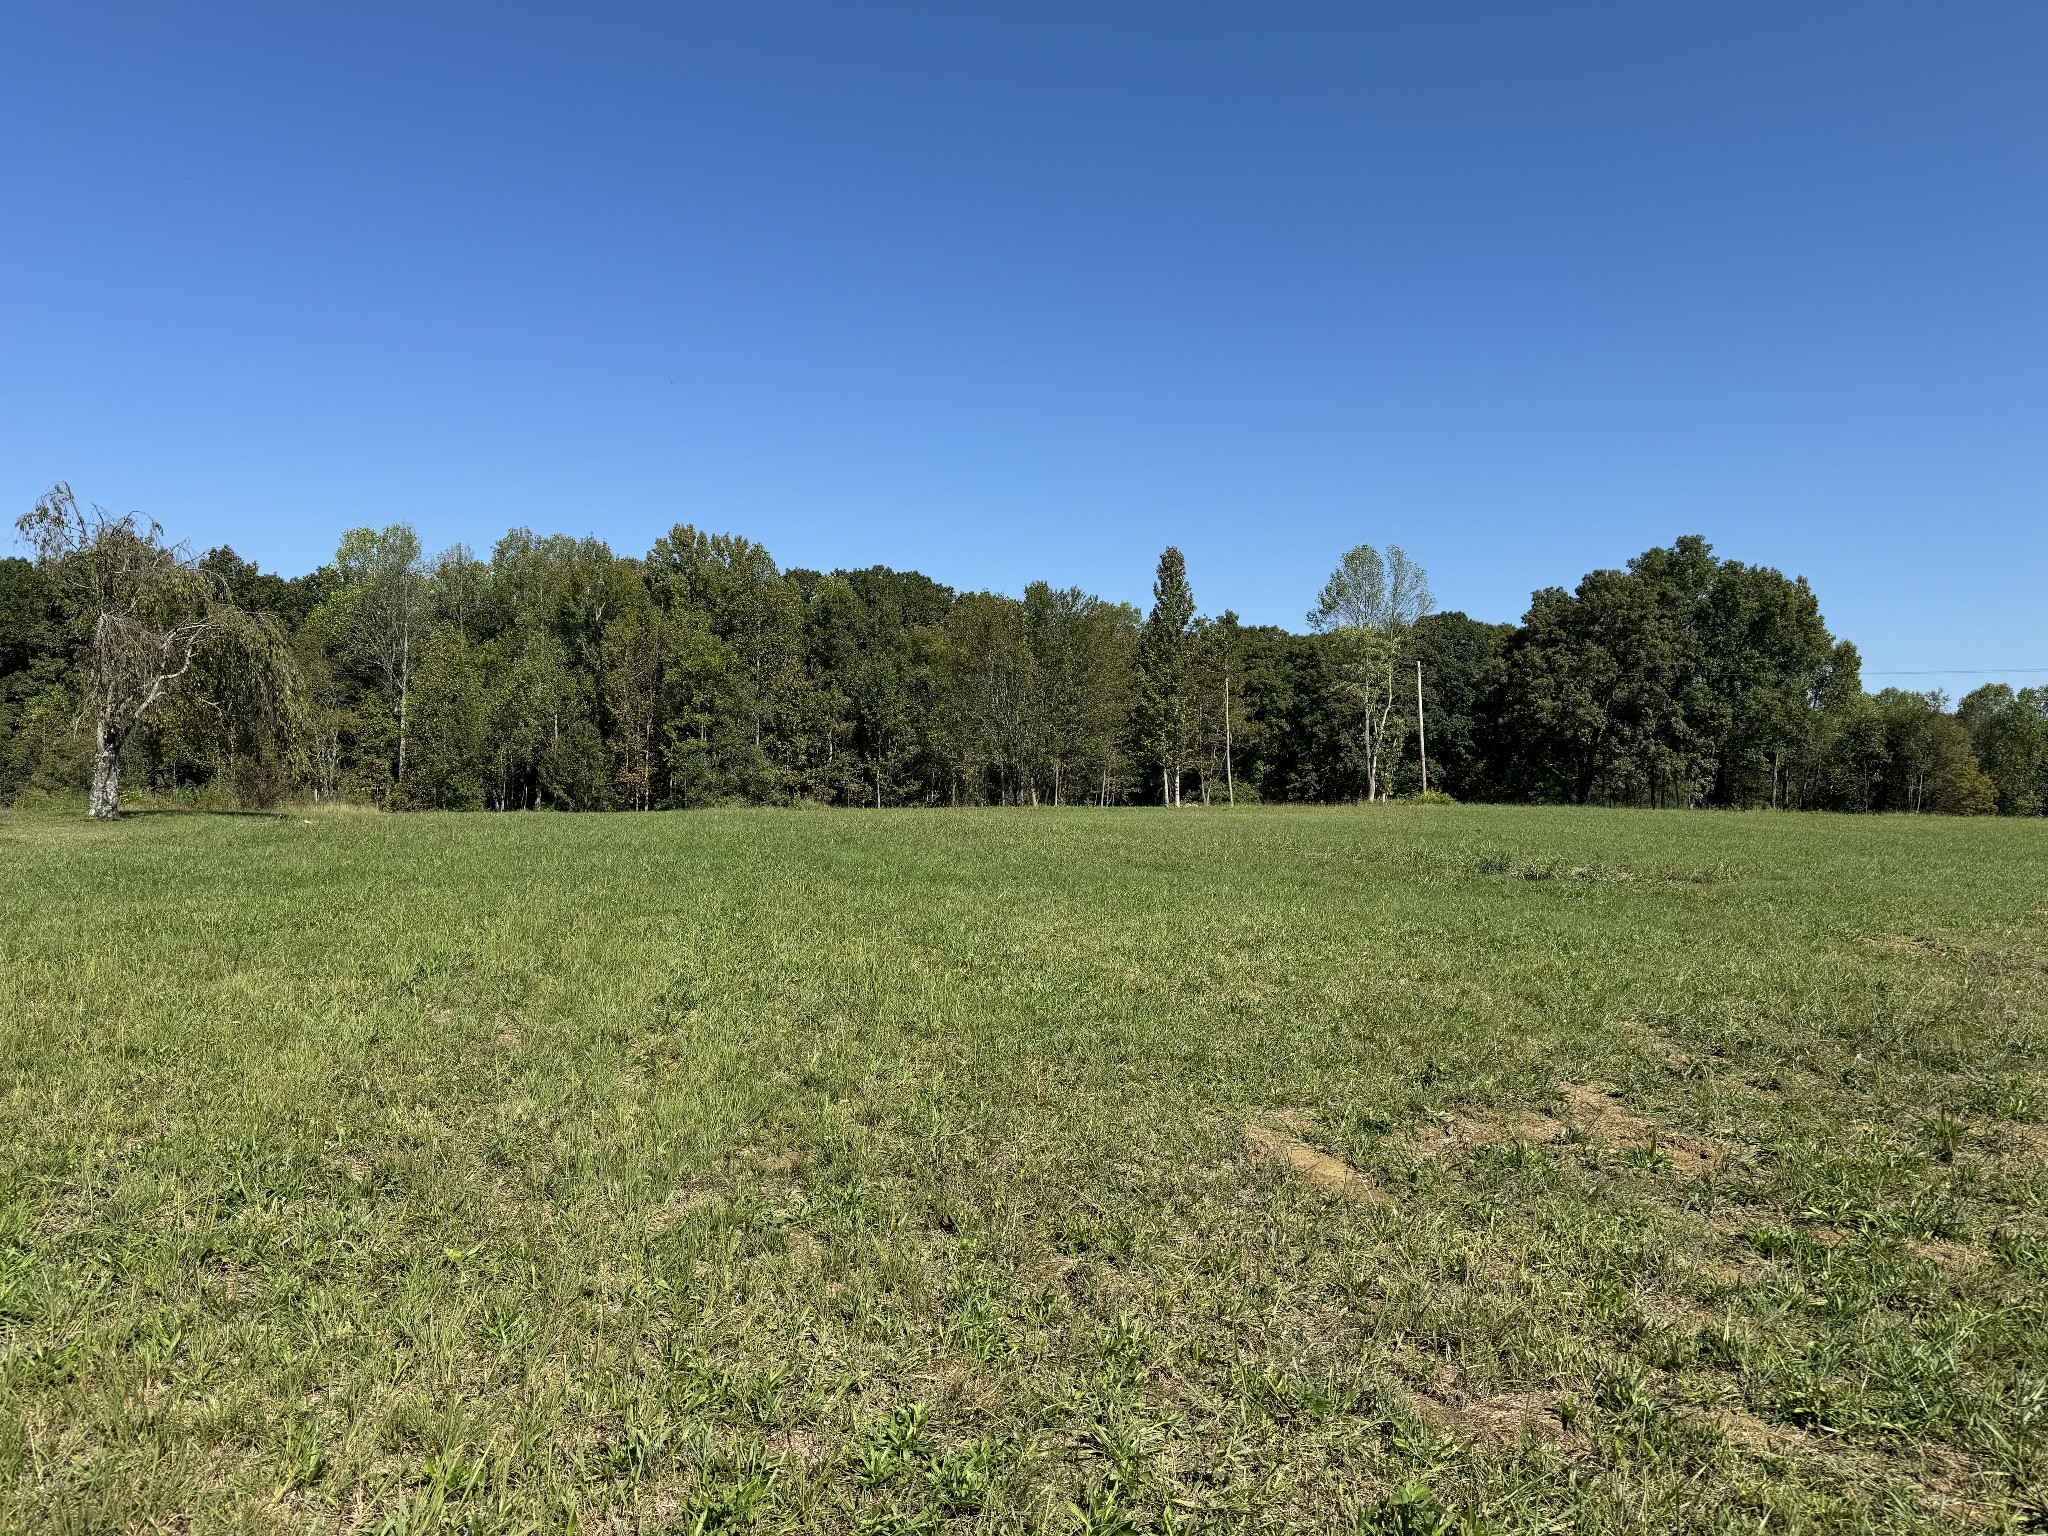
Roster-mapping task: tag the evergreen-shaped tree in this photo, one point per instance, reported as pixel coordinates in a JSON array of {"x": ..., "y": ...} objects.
[{"x": 1165, "y": 714}]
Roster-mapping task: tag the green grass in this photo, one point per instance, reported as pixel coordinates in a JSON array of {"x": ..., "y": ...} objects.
[{"x": 889, "y": 1171}]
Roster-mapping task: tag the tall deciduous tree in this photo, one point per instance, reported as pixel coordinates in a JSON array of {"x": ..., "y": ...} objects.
[
  {"x": 450, "y": 748},
  {"x": 2008, "y": 732},
  {"x": 1681, "y": 679},
  {"x": 383, "y": 612},
  {"x": 557, "y": 673},
  {"x": 1455, "y": 651},
  {"x": 629, "y": 662},
  {"x": 1367, "y": 607},
  {"x": 1166, "y": 714},
  {"x": 1081, "y": 676},
  {"x": 1369, "y": 592}
]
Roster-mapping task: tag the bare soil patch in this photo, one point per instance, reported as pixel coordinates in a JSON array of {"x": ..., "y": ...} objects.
[
  {"x": 1468, "y": 1132},
  {"x": 1331, "y": 1175},
  {"x": 1591, "y": 1109},
  {"x": 1949, "y": 1255},
  {"x": 1904, "y": 945},
  {"x": 356, "y": 1164},
  {"x": 2033, "y": 1137},
  {"x": 1759, "y": 1437},
  {"x": 1596, "y": 1110},
  {"x": 677, "y": 1206},
  {"x": 1952, "y": 1480},
  {"x": 1501, "y": 1419},
  {"x": 1735, "y": 1265}
]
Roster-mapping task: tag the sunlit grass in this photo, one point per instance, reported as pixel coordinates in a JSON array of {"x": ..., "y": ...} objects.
[{"x": 889, "y": 1171}]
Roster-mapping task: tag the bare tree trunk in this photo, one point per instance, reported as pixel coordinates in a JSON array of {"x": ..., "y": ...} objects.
[
  {"x": 404, "y": 692},
  {"x": 1229, "y": 773},
  {"x": 1378, "y": 748},
  {"x": 1421, "y": 731},
  {"x": 1372, "y": 758},
  {"x": 105, "y": 804}
]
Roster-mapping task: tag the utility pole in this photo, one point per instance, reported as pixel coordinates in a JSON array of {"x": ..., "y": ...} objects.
[{"x": 1421, "y": 730}]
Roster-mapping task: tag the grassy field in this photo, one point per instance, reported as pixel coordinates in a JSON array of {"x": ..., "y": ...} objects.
[{"x": 1402, "y": 1169}]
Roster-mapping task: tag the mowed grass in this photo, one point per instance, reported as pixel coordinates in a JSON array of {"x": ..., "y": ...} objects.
[{"x": 1400, "y": 1169}]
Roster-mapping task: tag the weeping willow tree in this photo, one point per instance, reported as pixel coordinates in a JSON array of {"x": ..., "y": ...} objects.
[{"x": 160, "y": 638}]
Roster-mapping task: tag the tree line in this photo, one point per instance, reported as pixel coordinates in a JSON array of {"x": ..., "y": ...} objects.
[{"x": 557, "y": 674}]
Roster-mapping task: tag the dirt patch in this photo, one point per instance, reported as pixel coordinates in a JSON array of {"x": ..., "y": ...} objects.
[
  {"x": 1952, "y": 1481},
  {"x": 1674, "y": 1059},
  {"x": 1949, "y": 1255},
  {"x": 2034, "y": 1138},
  {"x": 2006, "y": 1144},
  {"x": 234, "y": 1281},
  {"x": 357, "y": 1165},
  {"x": 1732, "y": 1266},
  {"x": 676, "y": 1207},
  {"x": 801, "y": 1247},
  {"x": 1501, "y": 1419},
  {"x": 1759, "y": 1437},
  {"x": 1331, "y": 1175},
  {"x": 1595, "y": 1109},
  {"x": 803, "y": 1446},
  {"x": 1592, "y": 1110},
  {"x": 1466, "y": 1132}
]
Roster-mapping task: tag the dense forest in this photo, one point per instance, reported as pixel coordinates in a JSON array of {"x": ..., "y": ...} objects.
[{"x": 557, "y": 674}]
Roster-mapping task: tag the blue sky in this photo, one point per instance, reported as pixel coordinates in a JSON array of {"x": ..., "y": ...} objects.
[{"x": 1008, "y": 292}]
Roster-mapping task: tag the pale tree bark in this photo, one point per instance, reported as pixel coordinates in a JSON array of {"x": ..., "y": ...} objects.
[
  {"x": 1421, "y": 731},
  {"x": 404, "y": 698},
  {"x": 1229, "y": 774},
  {"x": 132, "y": 668},
  {"x": 1376, "y": 741},
  {"x": 383, "y": 572},
  {"x": 150, "y": 607},
  {"x": 105, "y": 801},
  {"x": 1375, "y": 601}
]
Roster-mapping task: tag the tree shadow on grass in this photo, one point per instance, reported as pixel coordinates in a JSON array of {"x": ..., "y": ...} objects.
[{"x": 179, "y": 810}]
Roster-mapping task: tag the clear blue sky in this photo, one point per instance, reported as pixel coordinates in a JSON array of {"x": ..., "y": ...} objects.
[{"x": 1003, "y": 292}]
